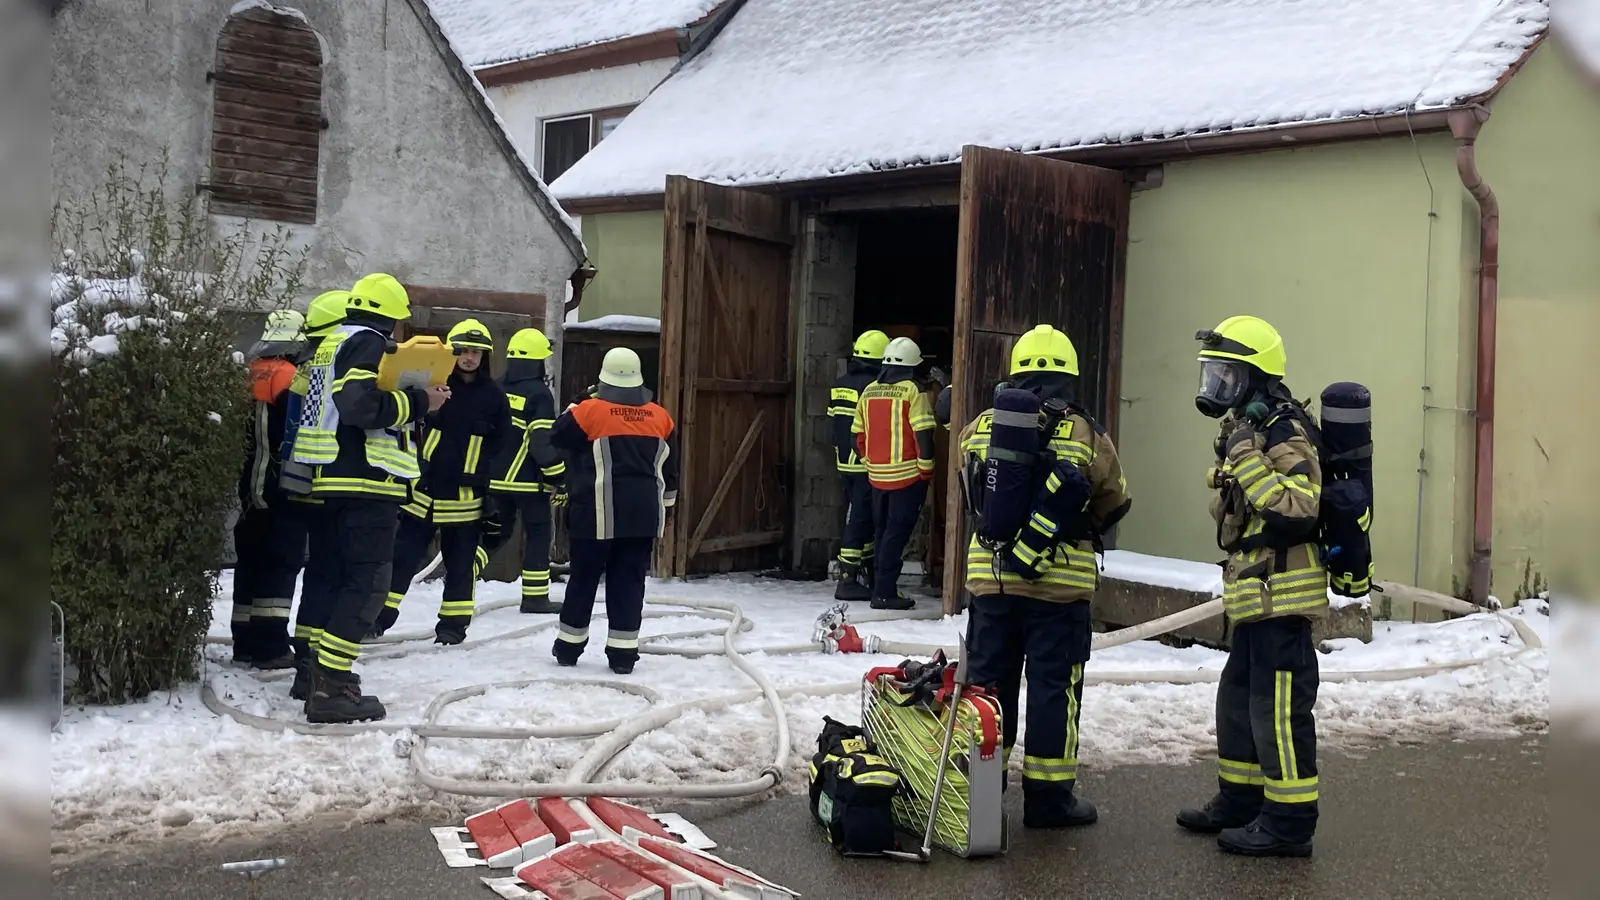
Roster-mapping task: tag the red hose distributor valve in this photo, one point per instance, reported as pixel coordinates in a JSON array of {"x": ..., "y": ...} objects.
[{"x": 838, "y": 636}]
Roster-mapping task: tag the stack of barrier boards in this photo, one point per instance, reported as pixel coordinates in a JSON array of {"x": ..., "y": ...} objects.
[{"x": 907, "y": 728}]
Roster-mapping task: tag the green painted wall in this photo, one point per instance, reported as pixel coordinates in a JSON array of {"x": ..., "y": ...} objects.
[
  {"x": 1357, "y": 260},
  {"x": 626, "y": 251},
  {"x": 1539, "y": 153}
]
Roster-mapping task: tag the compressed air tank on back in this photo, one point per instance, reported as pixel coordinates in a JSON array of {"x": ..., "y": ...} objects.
[
  {"x": 1347, "y": 433},
  {"x": 1008, "y": 467}
]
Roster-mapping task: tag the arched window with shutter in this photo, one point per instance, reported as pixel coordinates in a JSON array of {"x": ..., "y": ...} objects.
[{"x": 267, "y": 120}]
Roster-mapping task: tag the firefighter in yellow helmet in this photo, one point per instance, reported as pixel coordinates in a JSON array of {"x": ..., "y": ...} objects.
[
  {"x": 1267, "y": 484},
  {"x": 319, "y": 580},
  {"x": 354, "y": 434},
  {"x": 894, "y": 431},
  {"x": 856, "y": 546},
  {"x": 1044, "y": 482},
  {"x": 460, "y": 442},
  {"x": 529, "y": 474},
  {"x": 269, "y": 547}
]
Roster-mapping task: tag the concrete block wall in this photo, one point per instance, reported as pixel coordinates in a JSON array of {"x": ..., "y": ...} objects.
[{"x": 825, "y": 322}]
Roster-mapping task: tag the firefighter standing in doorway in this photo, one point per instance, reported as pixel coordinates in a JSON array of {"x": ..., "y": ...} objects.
[
  {"x": 459, "y": 444},
  {"x": 1031, "y": 591},
  {"x": 856, "y": 547},
  {"x": 354, "y": 434},
  {"x": 269, "y": 540},
  {"x": 529, "y": 474},
  {"x": 319, "y": 583},
  {"x": 1267, "y": 483},
  {"x": 623, "y": 483},
  {"x": 894, "y": 431}
]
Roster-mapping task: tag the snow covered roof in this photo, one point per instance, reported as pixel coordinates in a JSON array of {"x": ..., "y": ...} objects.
[
  {"x": 801, "y": 89},
  {"x": 617, "y": 322},
  {"x": 497, "y": 31}
]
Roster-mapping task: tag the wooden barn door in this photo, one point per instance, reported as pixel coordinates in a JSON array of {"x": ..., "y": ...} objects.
[
  {"x": 727, "y": 376},
  {"x": 1041, "y": 241}
]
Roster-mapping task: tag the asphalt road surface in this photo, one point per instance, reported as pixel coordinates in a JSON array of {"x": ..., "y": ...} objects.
[{"x": 1456, "y": 820}]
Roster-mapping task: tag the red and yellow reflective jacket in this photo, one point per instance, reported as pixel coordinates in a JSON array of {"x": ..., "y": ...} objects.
[{"x": 894, "y": 430}]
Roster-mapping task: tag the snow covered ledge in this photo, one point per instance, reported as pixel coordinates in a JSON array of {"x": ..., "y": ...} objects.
[{"x": 1136, "y": 588}]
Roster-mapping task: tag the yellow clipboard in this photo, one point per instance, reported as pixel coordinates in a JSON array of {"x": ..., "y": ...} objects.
[{"x": 420, "y": 361}]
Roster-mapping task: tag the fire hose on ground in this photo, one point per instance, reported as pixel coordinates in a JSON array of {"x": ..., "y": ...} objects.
[{"x": 833, "y": 635}]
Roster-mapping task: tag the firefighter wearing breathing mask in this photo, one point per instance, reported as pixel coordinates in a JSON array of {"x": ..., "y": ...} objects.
[
  {"x": 460, "y": 442},
  {"x": 1044, "y": 483},
  {"x": 1267, "y": 484},
  {"x": 269, "y": 540}
]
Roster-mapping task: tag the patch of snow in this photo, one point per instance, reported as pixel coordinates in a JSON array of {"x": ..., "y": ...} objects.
[
  {"x": 1338, "y": 601},
  {"x": 245, "y": 5},
  {"x": 104, "y": 345},
  {"x": 638, "y": 324},
  {"x": 167, "y": 766},
  {"x": 215, "y": 417},
  {"x": 1163, "y": 571},
  {"x": 803, "y": 89},
  {"x": 496, "y": 31}
]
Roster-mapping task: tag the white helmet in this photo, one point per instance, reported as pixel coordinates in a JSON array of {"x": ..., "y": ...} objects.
[
  {"x": 621, "y": 368},
  {"x": 902, "y": 351}
]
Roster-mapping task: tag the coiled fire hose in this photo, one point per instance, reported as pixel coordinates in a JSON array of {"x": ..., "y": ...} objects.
[{"x": 614, "y": 735}]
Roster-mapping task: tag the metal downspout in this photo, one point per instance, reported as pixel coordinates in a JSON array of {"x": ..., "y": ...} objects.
[{"x": 1464, "y": 125}]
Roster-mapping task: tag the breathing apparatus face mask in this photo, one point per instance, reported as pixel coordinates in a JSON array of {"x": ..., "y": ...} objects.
[{"x": 1223, "y": 383}]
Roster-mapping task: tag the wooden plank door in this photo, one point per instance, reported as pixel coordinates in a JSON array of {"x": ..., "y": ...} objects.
[
  {"x": 1041, "y": 241},
  {"x": 727, "y": 376}
]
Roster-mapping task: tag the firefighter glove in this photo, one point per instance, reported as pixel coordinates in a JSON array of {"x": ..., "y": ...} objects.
[
  {"x": 491, "y": 525},
  {"x": 559, "y": 498},
  {"x": 1243, "y": 431}
]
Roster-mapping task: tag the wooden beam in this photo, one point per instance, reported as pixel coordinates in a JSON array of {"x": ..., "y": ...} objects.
[
  {"x": 742, "y": 541},
  {"x": 663, "y": 44},
  {"x": 513, "y": 303},
  {"x": 744, "y": 229},
  {"x": 934, "y": 196},
  {"x": 751, "y": 434},
  {"x": 742, "y": 386}
]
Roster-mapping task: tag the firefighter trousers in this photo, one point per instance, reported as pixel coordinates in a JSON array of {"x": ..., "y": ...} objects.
[
  {"x": 458, "y": 544},
  {"x": 363, "y": 538},
  {"x": 319, "y": 585},
  {"x": 1266, "y": 734},
  {"x": 534, "y": 510},
  {"x": 623, "y": 563},
  {"x": 269, "y": 549},
  {"x": 894, "y": 515},
  {"x": 1009, "y": 636},
  {"x": 856, "y": 547}
]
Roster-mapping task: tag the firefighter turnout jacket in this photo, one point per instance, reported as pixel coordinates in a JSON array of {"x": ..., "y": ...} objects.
[
  {"x": 894, "y": 429},
  {"x": 622, "y": 474},
  {"x": 1267, "y": 492},
  {"x": 460, "y": 442},
  {"x": 842, "y": 402},
  {"x": 353, "y": 432},
  {"x": 528, "y": 463},
  {"x": 1071, "y": 573},
  {"x": 270, "y": 380}
]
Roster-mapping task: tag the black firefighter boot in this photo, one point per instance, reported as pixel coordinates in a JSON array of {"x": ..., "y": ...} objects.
[
  {"x": 851, "y": 587},
  {"x": 1255, "y": 840},
  {"x": 336, "y": 698},
  {"x": 304, "y": 658},
  {"x": 899, "y": 602},
  {"x": 1217, "y": 814}
]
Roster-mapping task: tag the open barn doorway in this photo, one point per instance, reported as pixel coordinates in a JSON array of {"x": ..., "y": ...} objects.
[{"x": 895, "y": 271}]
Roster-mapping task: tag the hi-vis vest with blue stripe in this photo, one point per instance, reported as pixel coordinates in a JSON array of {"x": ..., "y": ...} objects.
[
  {"x": 317, "y": 440},
  {"x": 1071, "y": 573}
]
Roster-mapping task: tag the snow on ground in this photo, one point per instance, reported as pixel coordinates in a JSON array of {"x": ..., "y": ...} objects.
[
  {"x": 793, "y": 90},
  {"x": 168, "y": 767}
]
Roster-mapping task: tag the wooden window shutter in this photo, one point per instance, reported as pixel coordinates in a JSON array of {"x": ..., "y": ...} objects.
[{"x": 267, "y": 120}]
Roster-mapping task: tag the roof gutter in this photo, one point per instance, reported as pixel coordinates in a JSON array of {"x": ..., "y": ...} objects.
[
  {"x": 1465, "y": 125},
  {"x": 1116, "y": 156}
]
